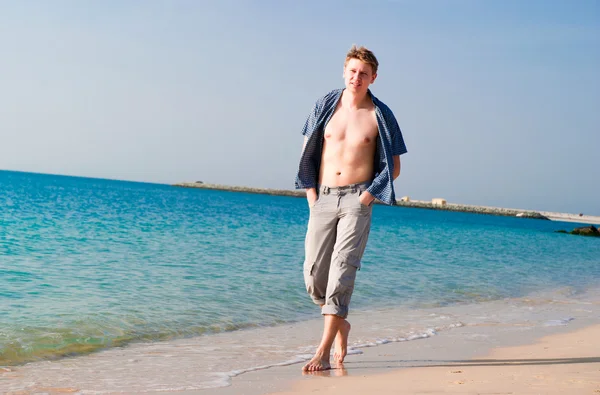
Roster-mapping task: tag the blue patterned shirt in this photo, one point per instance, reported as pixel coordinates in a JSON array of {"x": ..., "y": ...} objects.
[{"x": 389, "y": 144}]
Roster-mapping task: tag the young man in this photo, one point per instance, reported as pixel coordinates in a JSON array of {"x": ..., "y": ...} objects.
[{"x": 351, "y": 156}]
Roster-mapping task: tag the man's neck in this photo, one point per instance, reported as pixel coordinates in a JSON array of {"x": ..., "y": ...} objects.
[{"x": 354, "y": 101}]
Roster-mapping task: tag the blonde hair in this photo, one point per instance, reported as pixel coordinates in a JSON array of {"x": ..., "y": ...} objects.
[{"x": 364, "y": 55}]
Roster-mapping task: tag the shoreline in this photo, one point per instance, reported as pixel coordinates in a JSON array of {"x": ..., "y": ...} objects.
[
  {"x": 485, "y": 358},
  {"x": 432, "y": 338},
  {"x": 434, "y": 204},
  {"x": 557, "y": 363}
]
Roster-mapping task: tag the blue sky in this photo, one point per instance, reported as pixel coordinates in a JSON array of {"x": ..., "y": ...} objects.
[{"x": 498, "y": 101}]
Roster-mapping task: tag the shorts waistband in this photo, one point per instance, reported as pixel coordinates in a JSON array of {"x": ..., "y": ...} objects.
[{"x": 345, "y": 188}]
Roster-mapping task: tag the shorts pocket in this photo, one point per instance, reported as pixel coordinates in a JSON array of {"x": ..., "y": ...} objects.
[
  {"x": 316, "y": 201},
  {"x": 363, "y": 206},
  {"x": 346, "y": 275}
]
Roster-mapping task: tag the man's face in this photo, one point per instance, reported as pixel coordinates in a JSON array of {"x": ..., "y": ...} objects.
[{"x": 358, "y": 76}]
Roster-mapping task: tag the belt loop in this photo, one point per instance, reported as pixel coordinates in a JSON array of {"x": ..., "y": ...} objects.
[
  {"x": 353, "y": 189},
  {"x": 326, "y": 190}
]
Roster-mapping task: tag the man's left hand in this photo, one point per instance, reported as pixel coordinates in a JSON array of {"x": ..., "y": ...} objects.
[{"x": 366, "y": 198}]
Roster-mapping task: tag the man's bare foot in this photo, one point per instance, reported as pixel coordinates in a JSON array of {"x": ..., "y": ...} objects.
[
  {"x": 320, "y": 373},
  {"x": 318, "y": 363},
  {"x": 341, "y": 342}
]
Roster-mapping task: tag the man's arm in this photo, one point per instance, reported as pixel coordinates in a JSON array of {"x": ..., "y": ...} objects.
[{"x": 366, "y": 198}]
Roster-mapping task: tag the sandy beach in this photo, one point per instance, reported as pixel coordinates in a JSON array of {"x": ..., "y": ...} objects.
[
  {"x": 515, "y": 358},
  {"x": 557, "y": 364},
  {"x": 518, "y": 355}
]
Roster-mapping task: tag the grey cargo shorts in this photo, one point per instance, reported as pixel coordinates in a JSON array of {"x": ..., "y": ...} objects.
[{"x": 338, "y": 230}]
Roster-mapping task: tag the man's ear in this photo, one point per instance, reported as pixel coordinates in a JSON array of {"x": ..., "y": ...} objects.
[{"x": 373, "y": 78}]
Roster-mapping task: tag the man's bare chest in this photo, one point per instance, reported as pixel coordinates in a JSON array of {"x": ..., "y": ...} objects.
[{"x": 352, "y": 127}]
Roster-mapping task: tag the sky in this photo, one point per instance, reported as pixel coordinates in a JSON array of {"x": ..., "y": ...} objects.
[{"x": 498, "y": 101}]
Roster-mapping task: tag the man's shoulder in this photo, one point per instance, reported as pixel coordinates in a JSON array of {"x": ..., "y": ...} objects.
[
  {"x": 329, "y": 98},
  {"x": 385, "y": 110}
]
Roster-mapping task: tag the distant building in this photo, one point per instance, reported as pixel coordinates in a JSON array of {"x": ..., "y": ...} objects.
[{"x": 438, "y": 202}]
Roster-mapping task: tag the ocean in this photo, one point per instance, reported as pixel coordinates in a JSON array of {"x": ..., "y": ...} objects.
[{"x": 112, "y": 286}]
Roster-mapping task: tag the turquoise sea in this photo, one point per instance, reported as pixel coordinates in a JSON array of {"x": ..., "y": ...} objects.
[{"x": 92, "y": 266}]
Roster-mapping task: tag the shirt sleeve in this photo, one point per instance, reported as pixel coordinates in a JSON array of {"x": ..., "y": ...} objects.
[
  {"x": 311, "y": 120},
  {"x": 398, "y": 146}
]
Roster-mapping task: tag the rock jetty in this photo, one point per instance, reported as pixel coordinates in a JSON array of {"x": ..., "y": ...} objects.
[
  {"x": 264, "y": 191},
  {"x": 440, "y": 204},
  {"x": 583, "y": 231},
  {"x": 435, "y": 204}
]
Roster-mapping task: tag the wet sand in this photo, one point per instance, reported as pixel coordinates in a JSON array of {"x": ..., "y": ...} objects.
[
  {"x": 479, "y": 359},
  {"x": 527, "y": 345},
  {"x": 556, "y": 364}
]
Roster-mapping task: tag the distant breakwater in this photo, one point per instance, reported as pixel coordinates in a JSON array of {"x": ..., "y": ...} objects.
[{"x": 435, "y": 204}]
